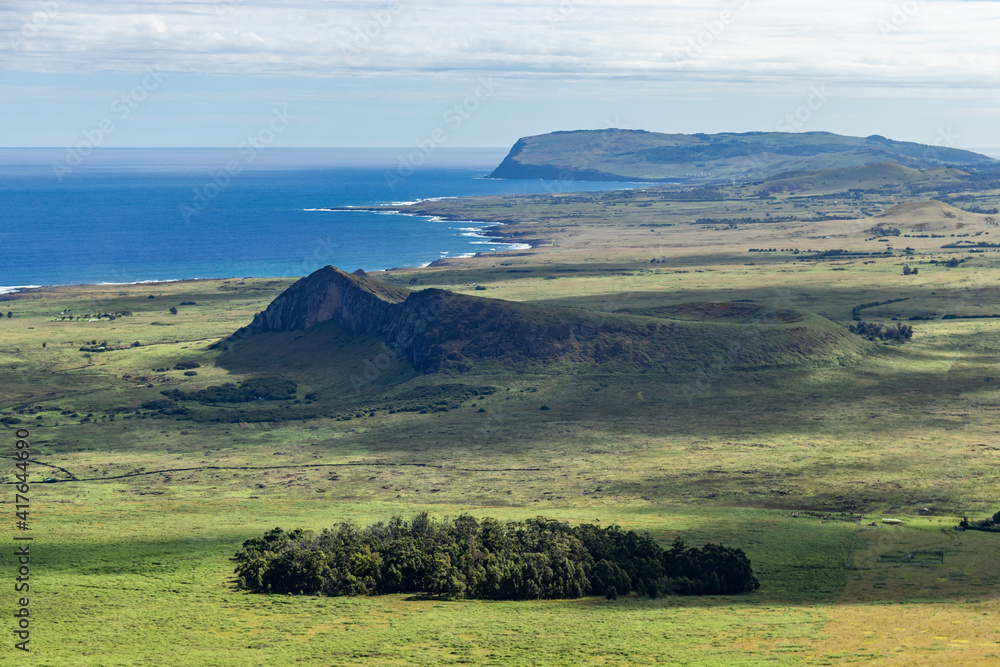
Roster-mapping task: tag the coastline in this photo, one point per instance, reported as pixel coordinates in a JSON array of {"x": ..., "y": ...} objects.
[
  {"x": 11, "y": 293},
  {"x": 497, "y": 235}
]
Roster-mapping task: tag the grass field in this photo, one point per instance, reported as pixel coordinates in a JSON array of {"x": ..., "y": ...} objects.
[{"x": 791, "y": 460}]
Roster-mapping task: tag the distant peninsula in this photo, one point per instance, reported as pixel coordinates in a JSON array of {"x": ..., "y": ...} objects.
[{"x": 637, "y": 155}]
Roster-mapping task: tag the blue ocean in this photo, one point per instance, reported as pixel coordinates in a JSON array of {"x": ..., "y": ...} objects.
[{"x": 131, "y": 215}]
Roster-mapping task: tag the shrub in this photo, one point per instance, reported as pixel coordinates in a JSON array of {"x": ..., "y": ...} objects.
[
  {"x": 261, "y": 389},
  {"x": 872, "y": 331}
]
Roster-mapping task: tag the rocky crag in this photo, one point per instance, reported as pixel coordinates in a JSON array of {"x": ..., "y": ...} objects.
[{"x": 441, "y": 330}]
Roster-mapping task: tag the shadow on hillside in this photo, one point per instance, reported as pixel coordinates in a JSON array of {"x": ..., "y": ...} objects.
[{"x": 832, "y": 303}]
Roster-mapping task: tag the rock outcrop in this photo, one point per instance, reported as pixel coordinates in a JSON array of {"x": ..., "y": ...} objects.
[
  {"x": 356, "y": 302},
  {"x": 437, "y": 329}
]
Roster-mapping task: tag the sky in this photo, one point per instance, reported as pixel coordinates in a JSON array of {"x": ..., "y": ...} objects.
[{"x": 441, "y": 73}]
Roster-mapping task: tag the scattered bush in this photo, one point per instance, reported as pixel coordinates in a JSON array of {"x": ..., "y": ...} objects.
[
  {"x": 872, "y": 331},
  {"x": 882, "y": 230},
  {"x": 855, "y": 312},
  {"x": 94, "y": 346},
  {"x": 186, "y": 365},
  {"x": 990, "y": 525},
  {"x": 262, "y": 389}
]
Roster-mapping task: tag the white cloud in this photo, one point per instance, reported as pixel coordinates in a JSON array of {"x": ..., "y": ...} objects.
[{"x": 930, "y": 44}]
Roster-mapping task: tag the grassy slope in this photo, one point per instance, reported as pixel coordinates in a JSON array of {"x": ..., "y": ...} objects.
[
  {"x": 909, "y": 427},
  {"x": 847, "y": 178}
]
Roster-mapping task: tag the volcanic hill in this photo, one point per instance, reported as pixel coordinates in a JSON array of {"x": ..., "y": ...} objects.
[{"x": 439, "y": 330}]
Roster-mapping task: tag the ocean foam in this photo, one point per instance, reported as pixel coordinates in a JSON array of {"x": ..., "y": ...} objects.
[
  {"x": 17, "y": 288},
  {"x": 168, "y": 280}
]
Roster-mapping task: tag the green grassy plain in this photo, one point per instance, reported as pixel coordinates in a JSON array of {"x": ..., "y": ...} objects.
[{"x": 134, "y": 532}]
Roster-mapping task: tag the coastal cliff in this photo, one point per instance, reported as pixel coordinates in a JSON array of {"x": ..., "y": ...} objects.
[{"x": 637, "y": 155}]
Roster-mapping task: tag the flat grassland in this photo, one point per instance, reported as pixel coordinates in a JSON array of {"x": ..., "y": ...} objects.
[{"x": 137, "y": 507}]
